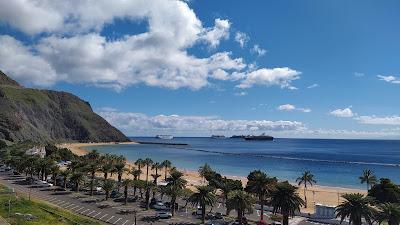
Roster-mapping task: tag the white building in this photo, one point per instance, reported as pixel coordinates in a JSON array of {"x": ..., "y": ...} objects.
[
  {"x": 324, "y": 211},
  {"x": 39, "y": 151}
]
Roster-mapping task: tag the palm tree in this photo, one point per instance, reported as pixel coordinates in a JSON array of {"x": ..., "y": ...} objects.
[
  {"x": 390, "y": 213},
  {"x": 286, "y": 201},
  {"x": 368, "y": 177},
  {"x": 355, "y": 208},
  {"x": 126, "y": 183},
  {"x": 204, "y": 171},
  {"x": 242, "y": 202},
  {"x": 92, "y": 167},
  {"x": 204, "y": 196},
  {"x": 261, "y": 185},
  {"x": 108, "y": 186},
  {"x": 106, "y": 168},
  {"x": 176, "y": 183},
  {"x": 306, "y": 178},
  {"x": 77, "y": 178},
  {"x": 55, "y": 170},
  {"x": 65, "y": 173},
  {"x": 147, "y": 162},
  {"x": 120, "y": 167},
  {"x": 166, "y": 164},
  {"x": 136, "y": 174},
  {"x": 139, "y": 163}
]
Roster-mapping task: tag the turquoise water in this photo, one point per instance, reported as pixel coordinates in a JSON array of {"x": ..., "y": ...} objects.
[{"x": 333, "y": 162}]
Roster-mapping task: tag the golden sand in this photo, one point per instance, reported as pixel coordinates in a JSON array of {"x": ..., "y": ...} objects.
[{"x": 316, "y": 194}]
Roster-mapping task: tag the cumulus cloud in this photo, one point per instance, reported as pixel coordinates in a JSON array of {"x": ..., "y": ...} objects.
[
  {"x": 241, "y": 38},
  {"x": 290, "y": 107},
  {"x": 71, "y": 48},
  {"x": 282, "y": 77},
  {"x": 29, "y": 68},
  {"x": 346, "y": 112},
  {"x": 132, "y": 123},
  {"x": 242, "y": 93},
  {"x": 389, "y": 120},
  {"x": 389, "y": 79},
  {"x": 258, "y": 50}
]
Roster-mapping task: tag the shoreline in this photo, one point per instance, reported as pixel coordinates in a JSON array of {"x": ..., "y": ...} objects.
[{"x": 316, "y": 194}]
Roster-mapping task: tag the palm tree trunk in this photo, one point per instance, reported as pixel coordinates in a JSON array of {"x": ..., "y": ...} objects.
[
  {"x": 147, "y": 174},
  {"x": 262, "y": 209},
  {"x": 173, "y": 199},
  {"x": 203, "y": 213},
  {"x": 105, "y": 176},
  {"x": 92, "y": 184},
  {"x": 305, "y": 195},
  {"x": 165, "y": 173},
  {"x": 147, "y": 197},
  {"x": 119, "y": 177},
  {"x": 285, "y": 220},
  {"x": 126, "y": 194},
  {"x": 107, "y": 194},
  {"x": 240, "y": 216},
  {"x": 65, "y": 182}
]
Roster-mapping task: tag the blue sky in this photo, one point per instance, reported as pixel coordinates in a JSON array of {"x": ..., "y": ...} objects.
[{"x": 323, "y": 68}]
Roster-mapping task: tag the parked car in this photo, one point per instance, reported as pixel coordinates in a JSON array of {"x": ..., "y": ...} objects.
[
  {"x": 163, "y": 215},
  {"x": 159, "y": 206}
]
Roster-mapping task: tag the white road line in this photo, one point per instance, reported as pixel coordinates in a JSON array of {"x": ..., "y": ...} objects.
[
  {"x": 85, "y": 211},
  {"x": 125, "y": 222},
  {"x": 79, "y": 209},
  {"x": 103, "y": 216},
  {"x": 109, "y": 218},
  {"x": 117, "y": 220},
  {"x": 58, "y": 201},
  {"x": 69, "y": 206},
  {"x": 96, "y": 215},
  {"x": 219, "y": 205},
  {"x": 51, "y": 199},
  {"x": 74, "y": 207},
  {"x": 91, "y": 212},
  {"x": 65, "y": 204}
]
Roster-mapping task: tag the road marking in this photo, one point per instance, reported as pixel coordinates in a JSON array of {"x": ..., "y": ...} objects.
[
  {"x": 91, "y": 212},
  {"x": 219, "y": 205},
  {"x": 103, "y": 216},
  {"x": 109, "y": 219},
  {"x": 51, "y": 199},
  {"x": 74, "y": 207},
  {"x": 58, "y": 201},
  {"x": 85, "y": 211},
  {"x": 65, "y": 204},
  {"x": 117, "y": 220},
  {"x": 97, "y": 214},
  {"x": 69, "y": 206},
  {"x": 79, "y": 209},
  {"x": 125, "y": 222}
]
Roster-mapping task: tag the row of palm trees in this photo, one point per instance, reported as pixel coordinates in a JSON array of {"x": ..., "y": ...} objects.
[{"x": 260, "y": 188}]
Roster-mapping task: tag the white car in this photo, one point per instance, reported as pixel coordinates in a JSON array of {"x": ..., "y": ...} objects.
[
  {"x": 159, "y": 206},
  {"x": 163, "y": 215}
]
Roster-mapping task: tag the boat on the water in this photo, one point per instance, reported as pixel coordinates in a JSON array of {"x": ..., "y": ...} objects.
[
  {"x": 261, "y": 137},
  {"x": 218, "y": 136},
  {"x": 165, "y": 136},
  {"x": 238, "y": 136}
]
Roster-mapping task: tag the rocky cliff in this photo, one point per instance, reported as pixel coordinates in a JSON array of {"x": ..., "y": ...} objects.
[{"x": 49, "y": 116}]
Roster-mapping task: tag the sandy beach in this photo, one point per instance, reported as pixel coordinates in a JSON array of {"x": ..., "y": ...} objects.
[{"x": 316, "y": 194}]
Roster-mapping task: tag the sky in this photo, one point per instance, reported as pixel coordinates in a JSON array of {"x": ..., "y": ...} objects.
[{"x": 309, "y": 68}]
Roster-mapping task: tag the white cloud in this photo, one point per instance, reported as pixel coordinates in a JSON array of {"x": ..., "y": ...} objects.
[
  {"x": 29, "y": 68},
  {"x": 286, "y": 107},
  {"x": 70, "y": 48},
  {"x": 313, "y": 86},
  {"x": 242, "y": 93},
  {"x": 241, "y": 38},
  {"x": 258, "y": 50},
  {"x": 358, "y": 74},
  {"x": 219, "y": 32},
  {"x": 346, "y": 112},
  {"x": 290, "y": 107},
  {"x": 134, "y": 123},
  {"x": 282, "y": 77},
  {"x": 389, "y": 79},
  {"x": 389, "y": 120}
]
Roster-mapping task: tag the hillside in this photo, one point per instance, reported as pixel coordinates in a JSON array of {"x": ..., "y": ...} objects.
[{"x": 49, "y": 116}]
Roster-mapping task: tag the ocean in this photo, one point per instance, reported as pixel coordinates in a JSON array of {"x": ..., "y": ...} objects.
[{"x": 337, "y": 163}]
